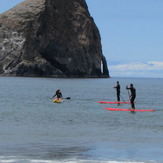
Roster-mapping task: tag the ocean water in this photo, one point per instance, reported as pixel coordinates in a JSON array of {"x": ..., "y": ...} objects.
[{"x": 33, "y": 129}]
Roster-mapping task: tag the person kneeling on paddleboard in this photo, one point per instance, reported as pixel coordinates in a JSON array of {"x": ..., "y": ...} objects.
[
  {"x": 58, "y": 94},
  {"x": 132, "y": 96}
]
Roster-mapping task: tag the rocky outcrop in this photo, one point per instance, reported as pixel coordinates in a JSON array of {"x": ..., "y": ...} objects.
[{"x": 50, "y": 38}]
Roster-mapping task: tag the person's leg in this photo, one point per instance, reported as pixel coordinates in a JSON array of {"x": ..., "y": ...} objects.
[
  {"x": 118, "y": 96},
  {"x": 132, "y": 102}
]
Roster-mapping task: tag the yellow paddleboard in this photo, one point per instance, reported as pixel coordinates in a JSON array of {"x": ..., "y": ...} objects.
[{"x": 58, "y": 100}]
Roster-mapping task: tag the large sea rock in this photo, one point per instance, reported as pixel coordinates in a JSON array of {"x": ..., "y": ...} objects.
[{"x": 50, "y": 38}]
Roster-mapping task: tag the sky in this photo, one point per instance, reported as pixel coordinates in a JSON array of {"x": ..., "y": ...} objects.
[{"x": 131, "y": 35}]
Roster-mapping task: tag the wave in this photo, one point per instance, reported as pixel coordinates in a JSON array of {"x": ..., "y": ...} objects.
[{"x": 14, "y": 159}]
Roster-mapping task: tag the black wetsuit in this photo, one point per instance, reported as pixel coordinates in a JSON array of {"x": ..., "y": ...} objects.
[
  {"x": 58, "y": 94},
  {"x": 118, "y": 92},
  {"x": 132, "y": 97}
]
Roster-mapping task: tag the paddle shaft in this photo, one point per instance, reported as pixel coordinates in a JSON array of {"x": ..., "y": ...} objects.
[
  {"x": 67, "y": 98},
  {"x": 123, "y": 99},
  {"x": 121, "y": 96}
]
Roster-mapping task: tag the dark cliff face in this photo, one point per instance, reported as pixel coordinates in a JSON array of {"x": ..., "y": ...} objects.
[{"x": 53, "y": 38}]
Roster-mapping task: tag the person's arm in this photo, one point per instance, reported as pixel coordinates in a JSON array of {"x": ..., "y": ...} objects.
[
  {"x": 127, "y": 87},
  {"x": 54, "y": 96},
  {"x": 115, "y": 86}
]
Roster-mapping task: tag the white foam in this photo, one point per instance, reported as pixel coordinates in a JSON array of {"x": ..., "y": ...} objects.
[{"x": 13, "y": 159}]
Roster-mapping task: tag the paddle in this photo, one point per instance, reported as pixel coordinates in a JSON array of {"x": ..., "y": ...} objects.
[
  {"x": 121, "y": 96},
  {"x": 128, "y": 91},
  {"x": 67, "y": 98},
  {"x": 123, "y": 99}
]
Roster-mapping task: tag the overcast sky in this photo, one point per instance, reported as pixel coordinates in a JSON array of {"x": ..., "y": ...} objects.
[{"x": 131, "y": 34}]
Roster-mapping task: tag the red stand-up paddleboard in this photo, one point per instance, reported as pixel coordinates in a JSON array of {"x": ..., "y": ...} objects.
[
  {"x": 117, "y": 102},
  {"x": 137, "y": 110}
]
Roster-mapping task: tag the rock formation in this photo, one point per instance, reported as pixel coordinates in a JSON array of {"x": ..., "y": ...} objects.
[{"x": 50, "y": 38}]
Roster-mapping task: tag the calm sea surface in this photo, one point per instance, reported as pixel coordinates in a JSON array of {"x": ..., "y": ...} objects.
[{"x": 34, "y": 129}]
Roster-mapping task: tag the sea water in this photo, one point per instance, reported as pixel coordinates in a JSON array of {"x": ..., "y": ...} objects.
[{"x": 79, "y": 130}]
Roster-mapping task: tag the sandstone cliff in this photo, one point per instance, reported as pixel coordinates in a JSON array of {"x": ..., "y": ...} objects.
[{"x": 50, "y": 38}]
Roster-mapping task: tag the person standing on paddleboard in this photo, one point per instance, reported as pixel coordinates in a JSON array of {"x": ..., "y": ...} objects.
[
  {"x": 132, "y": 96},
  {"x": 58, "y": 94},
  {"x": 118, "y": 87}
]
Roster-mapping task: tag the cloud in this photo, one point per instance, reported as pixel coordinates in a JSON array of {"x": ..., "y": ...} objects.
[
  {"x": 138, "y": 69},
  {"x": 155, "y": 65}
]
